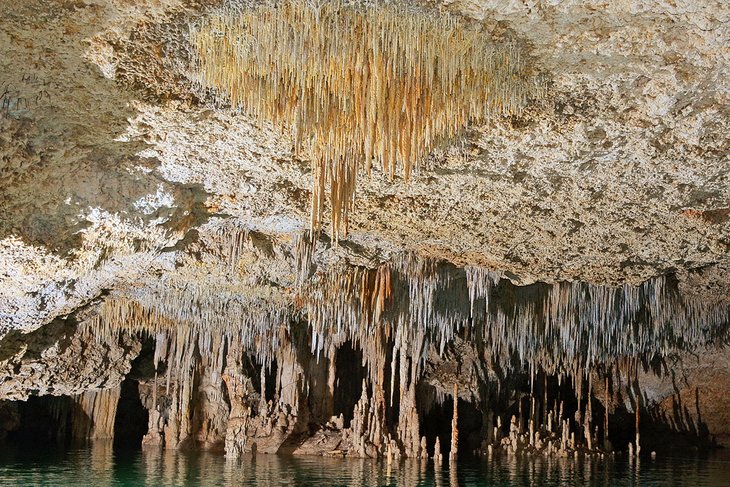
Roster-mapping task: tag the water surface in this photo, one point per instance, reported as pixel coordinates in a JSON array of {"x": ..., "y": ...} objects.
[{"x": 100, "y": 465}]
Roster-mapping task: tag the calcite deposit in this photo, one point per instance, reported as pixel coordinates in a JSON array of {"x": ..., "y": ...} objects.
[{"x": 548, "y": 280}]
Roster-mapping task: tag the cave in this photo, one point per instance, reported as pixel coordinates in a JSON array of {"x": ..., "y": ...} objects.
[{"x": 295, "y": 228}]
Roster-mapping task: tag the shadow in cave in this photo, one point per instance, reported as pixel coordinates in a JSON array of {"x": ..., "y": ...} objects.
[
  {"x": 349, "y": 374},
  {"x": 270, "y": 373},
  {"x": 130, "y": 422},
  {"x": 132, "y": 417},
  {"x": 43, "y": 420}
]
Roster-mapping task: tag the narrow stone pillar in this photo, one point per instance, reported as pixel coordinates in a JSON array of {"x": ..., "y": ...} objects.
[
  {"x": 454, "y": 424},
  {"x": 545, "y": 398},
  {"x": 262, "y": 396},
  {"x": 437, "y": 457},
  {"x": 638, "y": 445},
  {"x": 424, "y": 448},
  {"x": 331, "y": 380},
  {"x": 605, "y": 425},
  {"x": 489, "y": 426}
]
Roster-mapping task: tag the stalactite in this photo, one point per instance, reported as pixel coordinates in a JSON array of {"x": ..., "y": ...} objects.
[
  {"x": 480, "y": 282},
  {"x": 417, "y": 302},
  {"x": 396, "y": 313},
  {"x": 359, "y": 83}
]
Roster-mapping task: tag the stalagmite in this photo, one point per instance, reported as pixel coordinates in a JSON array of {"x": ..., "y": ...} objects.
[
  {"x": 455, "y": 425},
  {"x": 238, "y": 387},
  {"x": 532, "y": 432},
  {"x": 424, "y": 448},
  {"x": 331, "y": 383},
  {"x": 437, "y": 456},
  {"x": 262, "y": 400}
]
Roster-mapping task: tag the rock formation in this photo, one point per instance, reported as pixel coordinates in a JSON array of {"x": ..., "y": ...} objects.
[{"x": 546, "y": 275}]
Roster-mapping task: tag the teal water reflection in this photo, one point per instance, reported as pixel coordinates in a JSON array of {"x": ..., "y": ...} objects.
[{"x": 101, "y": 466}]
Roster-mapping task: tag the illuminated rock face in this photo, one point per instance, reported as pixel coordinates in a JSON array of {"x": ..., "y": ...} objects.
[
  {"x": 548, "y": 265},
  {"x": 361, "y": 84},
  {"x": 361, "y": 358}
]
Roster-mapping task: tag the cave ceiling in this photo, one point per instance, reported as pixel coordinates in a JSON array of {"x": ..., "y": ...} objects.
[{"x": 120, "y": 175}]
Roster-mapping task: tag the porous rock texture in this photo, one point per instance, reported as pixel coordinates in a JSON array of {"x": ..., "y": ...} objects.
[
  {"x": 121, "y": 179},
  {"x": 58, "y": 359}
]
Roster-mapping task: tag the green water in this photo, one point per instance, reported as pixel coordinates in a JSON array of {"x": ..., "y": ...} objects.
[{"x": 100, "y": 465}]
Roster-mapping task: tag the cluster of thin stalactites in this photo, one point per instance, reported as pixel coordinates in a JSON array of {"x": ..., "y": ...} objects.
[
  {"x": 359, "y": 84},
  {"x": 416, "y": 304}
]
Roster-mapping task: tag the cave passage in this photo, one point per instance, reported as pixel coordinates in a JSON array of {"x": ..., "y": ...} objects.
[
  {"x": 42, "y": 420},
  {"x": 130, "y": 422},
  {"x": 349, "y": 376}
]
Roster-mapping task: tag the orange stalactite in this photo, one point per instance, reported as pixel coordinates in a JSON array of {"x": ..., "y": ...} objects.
[{"x": 359, "y": 84}]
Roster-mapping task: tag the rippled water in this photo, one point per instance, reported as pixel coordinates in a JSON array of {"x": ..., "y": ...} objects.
[{"x": 101, "y": 465}]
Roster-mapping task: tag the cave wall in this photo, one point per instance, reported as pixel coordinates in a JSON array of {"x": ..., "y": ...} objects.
[
  {"x": 691, "y": 396},
  {"x": 62, "y": 359}
]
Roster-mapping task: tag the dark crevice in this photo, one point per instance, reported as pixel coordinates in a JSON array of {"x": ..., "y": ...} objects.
[
  {"x": 349, "y": 375},
  {"x": 130, "y": 423}
]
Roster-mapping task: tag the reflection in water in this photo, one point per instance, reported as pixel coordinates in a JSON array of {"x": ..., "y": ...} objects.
[{"x": 101, "y": 466}]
